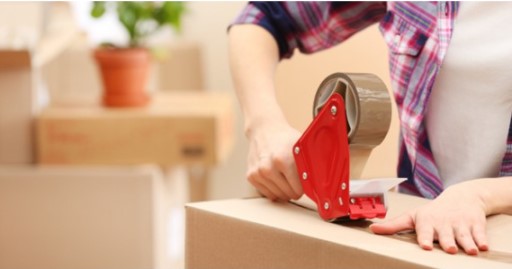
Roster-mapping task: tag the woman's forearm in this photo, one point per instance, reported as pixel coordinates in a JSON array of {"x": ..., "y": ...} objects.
[
  {"x": 253, "y": 59},
  {"x": 496, "y": 194}
]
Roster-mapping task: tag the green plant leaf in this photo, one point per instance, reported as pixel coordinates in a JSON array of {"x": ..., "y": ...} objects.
[
  {"x": 127, "y": 15},
  {"x": 141, "y": 19},
  {"x": 173, "y": 12},
  {"x": 145, "y": 10},
  {"x": 98, "y": 9}
]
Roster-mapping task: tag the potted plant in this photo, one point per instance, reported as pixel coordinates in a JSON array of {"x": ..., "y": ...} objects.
[{"x": 125, "y": 70}]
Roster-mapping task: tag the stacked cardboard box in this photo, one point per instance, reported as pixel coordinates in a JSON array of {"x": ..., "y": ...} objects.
[
  {"x": 177, "y": 128},
  {"x": 27, "y": 43},
  {"x": 16, "y": 109},
  {"x": 88, "y": 217}
]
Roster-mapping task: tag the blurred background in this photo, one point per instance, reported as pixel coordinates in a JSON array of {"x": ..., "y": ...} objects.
[{"x": 83, "y": 185}]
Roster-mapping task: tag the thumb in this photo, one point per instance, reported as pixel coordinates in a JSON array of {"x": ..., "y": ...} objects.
[{"x": 393, "y": 226}]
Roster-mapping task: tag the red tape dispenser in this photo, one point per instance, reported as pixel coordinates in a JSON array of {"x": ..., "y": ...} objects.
[{"x": 322, "y": 153}]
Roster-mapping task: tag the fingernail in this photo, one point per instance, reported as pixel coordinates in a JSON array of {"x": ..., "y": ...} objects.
[
  {"x": 426, "y": 245},
  {"x": 452, "y": 250},
  {"x": 483, "y": 247},
  {"x": 472, "y": 251}
]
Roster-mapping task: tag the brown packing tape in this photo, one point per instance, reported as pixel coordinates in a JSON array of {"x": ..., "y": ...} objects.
[
  {"x": 358, "y": 158},
  {"x": 368, "y": 110}
]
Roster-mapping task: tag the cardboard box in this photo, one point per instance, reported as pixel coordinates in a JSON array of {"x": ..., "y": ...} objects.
[
  {"x": 182, "y": 69},
  {"x": 256, "y": 233},
  {"x": 176, "y": 128},
  {"x": 73, "y": 73},
  {"x": 16, "y": 114},
  {"x": 83, "y": 217},
  {"x": 31, "y": 34}
]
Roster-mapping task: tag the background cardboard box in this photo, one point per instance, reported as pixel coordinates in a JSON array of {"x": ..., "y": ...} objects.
[
  {"x": 16, "y": 120},
  {"x": 181, "y": 68},
  {"x": 256, "y": 233},
  {"x": 83, "y": 217},
  {"x": 31, "y": 34},
  {"x": 176, "y": 128}
]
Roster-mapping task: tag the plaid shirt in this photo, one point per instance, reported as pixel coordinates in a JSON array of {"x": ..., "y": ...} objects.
[{"x": 417, "y": 34}]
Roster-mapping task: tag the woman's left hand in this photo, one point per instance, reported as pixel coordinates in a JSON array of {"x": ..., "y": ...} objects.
[{"x": 456, "y": 217}]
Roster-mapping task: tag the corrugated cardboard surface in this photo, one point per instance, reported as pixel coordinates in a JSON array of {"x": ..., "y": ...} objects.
[
  {"x": 89, "y": 217},
  {"x": 256, "y": 233},
  {"x": 177, "y": 128}
]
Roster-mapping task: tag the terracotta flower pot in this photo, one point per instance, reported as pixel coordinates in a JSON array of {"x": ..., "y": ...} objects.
[{"x": 124, "y": 73}]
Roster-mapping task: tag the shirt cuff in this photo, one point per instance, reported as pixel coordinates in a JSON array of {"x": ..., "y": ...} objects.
[{"x": 252, "y": 14}]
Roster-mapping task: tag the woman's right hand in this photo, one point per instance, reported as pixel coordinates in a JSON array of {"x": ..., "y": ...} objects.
[
  {"x": 254, "y": 55},
  {"x": 271, "y": 166}
]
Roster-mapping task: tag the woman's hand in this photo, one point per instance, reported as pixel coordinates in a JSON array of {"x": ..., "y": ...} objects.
[
  {"x": 456, "y": 217},
  {"x": 271, "y": 167},
  {"x": 254, "y": 55}
]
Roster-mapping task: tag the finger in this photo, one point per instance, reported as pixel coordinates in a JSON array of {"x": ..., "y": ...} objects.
[
  {"x": 269, "y": 184},
  {"x": 293, "y": 180},
  {"x": 425, "y": 235},
  {"x": 261, "y": 188},
  {"x": 447, "y": 239},
  {"x": 393, "y": 226},
  {"x": 465, "y": 239},
  {"x": 270, "y": 169},
  {"x": 266, "y": 193},
  {"x": 287, "y": 168},
  {"x": 480, "y": 237},
  {"x": 283, "y": 184},
  {"x": 269, "y": 179}
]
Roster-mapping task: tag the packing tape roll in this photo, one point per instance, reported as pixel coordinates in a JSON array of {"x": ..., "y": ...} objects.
[{"x": 368, "y": 110}]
